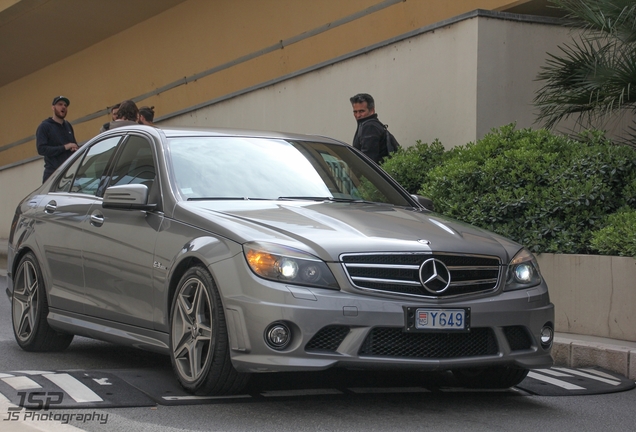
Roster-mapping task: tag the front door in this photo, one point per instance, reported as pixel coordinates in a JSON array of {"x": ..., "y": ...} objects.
[{"x": 119, "y": 244}]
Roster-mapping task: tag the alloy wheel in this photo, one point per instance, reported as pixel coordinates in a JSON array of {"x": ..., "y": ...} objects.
[
  {"x": 25, "y": 301},
  {"x": 192, "y": 330}
]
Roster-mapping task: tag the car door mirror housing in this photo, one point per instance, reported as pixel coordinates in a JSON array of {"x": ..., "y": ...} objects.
[
  {"x": 425, "y": 202},
  {"x": 127, "y": 197}
]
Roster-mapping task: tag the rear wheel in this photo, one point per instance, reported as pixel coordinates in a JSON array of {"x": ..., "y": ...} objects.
[
  {"x": 496, "y": 377},
  {"x": 30, "y": 308},
  {"x": 199, "y": 344}
]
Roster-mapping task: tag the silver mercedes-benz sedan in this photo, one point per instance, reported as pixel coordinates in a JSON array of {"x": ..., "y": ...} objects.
[{"x": 238, "y": 252}]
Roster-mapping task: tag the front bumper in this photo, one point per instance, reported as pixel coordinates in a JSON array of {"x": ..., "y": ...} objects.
[{"x": 358, "y": 330}]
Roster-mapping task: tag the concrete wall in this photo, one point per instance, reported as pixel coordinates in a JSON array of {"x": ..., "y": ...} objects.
[
  {"x": 424, "y": 87},
  {"x": 593, "y": 295},
  {"x": 16, "y": 183},
  {"x": 510, "y": 57}
]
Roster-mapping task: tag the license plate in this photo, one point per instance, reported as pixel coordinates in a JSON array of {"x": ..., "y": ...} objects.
[{"x": 432, "y": 319}]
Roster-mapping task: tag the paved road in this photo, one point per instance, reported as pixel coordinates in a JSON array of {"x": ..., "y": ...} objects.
[{"x": 97, "y": 386}]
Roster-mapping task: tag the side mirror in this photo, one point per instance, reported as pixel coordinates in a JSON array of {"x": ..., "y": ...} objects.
[
  {"x": 127, "y": 197},
  {"x": 427, "y": 203}
]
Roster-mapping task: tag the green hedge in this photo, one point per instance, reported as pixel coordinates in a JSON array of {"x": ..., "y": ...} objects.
[
  {"x": 546, "y": 191},
  {"x": 410, "y": 165},
  {"x": 618, "y": 237}
]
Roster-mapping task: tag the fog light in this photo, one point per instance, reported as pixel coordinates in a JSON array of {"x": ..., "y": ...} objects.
[
  {"x": 278, "y": 336},
  {"x": 547, "y": 334}
]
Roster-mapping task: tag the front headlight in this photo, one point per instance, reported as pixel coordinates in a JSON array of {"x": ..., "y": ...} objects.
[
  {"x": 282, "y": 264},
  {"x": 523, "y": 271}
]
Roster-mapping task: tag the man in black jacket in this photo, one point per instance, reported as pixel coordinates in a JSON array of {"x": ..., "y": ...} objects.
[
  {"x": 370, "y": 136},
  {"x": 55, "y": 138}
]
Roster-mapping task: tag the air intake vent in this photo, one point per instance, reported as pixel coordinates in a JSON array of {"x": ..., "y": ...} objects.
[
  {"x": 393, "y": 342},
  {"x": 518, "y": 338},
  {"x": 327, "y": 339}
]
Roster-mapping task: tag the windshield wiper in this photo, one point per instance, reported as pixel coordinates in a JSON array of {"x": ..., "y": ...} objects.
[
  {"x": 331, "y": 199},
  {"x": 352, "y": 200},
  {"x": 287, "y": 198},
  {"x": 303, "y": 198},
  {"x": 226, "y": 198}
]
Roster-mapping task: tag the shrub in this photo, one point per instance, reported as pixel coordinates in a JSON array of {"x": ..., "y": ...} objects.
[
  {"x": 618, "y": 237},
  {"x": 544, "y": 191},
  {"x": 409, "y": 166}
]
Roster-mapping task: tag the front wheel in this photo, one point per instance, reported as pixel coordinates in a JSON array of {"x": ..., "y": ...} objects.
[
  {"x": 496, "y": 377},
  {"x": 199, "y": 344},
  {"x": 30, "y": 308}
]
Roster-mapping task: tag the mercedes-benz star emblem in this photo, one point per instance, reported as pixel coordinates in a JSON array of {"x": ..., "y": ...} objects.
[{"x": 434, "y": 276}]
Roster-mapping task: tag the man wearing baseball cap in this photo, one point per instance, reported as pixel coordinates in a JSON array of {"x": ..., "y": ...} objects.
[{"x": 55, "y": 138}]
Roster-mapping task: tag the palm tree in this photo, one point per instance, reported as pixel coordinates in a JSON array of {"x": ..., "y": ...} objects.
[{"x": 594, "y": 77}]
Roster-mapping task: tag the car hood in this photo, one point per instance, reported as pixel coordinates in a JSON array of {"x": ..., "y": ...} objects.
[{"x": 328, "y": 229}]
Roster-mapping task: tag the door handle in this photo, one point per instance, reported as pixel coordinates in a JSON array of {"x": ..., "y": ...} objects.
[
  {"x": 97, "y": 219},
  {"x": 50, "y": 207}
]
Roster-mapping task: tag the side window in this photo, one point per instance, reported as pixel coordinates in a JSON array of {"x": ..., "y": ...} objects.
[
  {"x": 64, "y": 184},
  {"x": 92, "y": 170},
  {"x": 135, "y": 164}
]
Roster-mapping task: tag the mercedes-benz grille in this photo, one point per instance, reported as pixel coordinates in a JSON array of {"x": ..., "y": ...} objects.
[{"x": 423, "y": 275}]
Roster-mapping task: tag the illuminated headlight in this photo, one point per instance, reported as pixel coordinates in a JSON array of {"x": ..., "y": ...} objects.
[
  {"x": 282, "y": 264},
  {"x": 288, "y": 268},
  {"x": 523, "y": 271}
]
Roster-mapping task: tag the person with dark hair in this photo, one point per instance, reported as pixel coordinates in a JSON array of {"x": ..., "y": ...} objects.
[
  {"x": 146, "y": 115},
  {"x": 127, "y": 114},
  {"x": 113, "y": 116},
  {"x": 55, "y": 137},
  {"x": 370, "y": 136}
]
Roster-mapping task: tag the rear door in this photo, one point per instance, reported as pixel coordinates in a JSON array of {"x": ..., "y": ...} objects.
[{"x": 63, "y": 219}]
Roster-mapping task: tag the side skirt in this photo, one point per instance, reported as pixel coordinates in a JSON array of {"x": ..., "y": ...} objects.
[{"x": 109, "y": 331}]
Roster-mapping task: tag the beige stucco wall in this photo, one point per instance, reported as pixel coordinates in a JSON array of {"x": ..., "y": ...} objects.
[
  {"x": 416, "y": 84},
  {"x": 511, "y": 54},
  {"x": 453, "y": 83},
  {"x": 15, "y": 184},
  {"x": 592, "y": 294}
]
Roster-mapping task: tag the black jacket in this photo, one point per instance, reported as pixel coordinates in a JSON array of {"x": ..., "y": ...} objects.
[
  {"x": 370, "y": 138},
  {"x": 50, "y": 139}
]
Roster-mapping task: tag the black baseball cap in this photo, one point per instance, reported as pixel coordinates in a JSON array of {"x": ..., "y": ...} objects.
[{"x": 56, "y": 99}]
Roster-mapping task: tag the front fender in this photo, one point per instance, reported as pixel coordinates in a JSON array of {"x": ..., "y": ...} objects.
[{"x": 172, "y": 261}]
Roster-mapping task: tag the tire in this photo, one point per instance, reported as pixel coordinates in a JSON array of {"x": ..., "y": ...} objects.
[
  {"x": 199, "y": 344},
  {"x": 29, "y": 309},
  {"x": 497, "y": 377}
]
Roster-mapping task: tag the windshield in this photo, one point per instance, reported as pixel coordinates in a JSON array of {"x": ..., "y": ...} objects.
[{"x": 274, "y": 169}]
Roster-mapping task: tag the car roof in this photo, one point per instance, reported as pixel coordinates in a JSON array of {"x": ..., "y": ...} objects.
[{"x": 181, "y": 131}]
